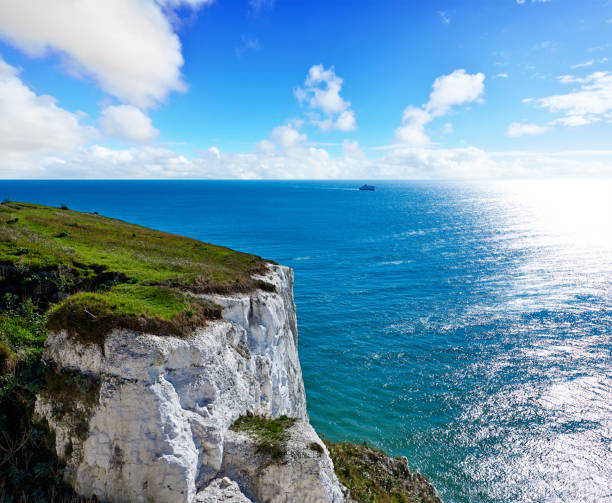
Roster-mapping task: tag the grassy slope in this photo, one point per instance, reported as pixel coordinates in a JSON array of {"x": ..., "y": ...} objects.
[
  {"x": 88, "y": 274},
  {"x": 373, "y": 477},
  {"x": 136, "y": 277}
]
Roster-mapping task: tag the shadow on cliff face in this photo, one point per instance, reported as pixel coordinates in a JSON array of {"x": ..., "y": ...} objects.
[{"x": 29, "y": 468}]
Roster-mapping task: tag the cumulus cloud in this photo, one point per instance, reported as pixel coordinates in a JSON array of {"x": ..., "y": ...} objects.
[
  {"x": 592, "y": 102},
  {"x": 31, "y": 123},
  {"x": 322, "y": 93},
  {"x": 444, "y": 17},
  {"x": 413, "y": 130},
  {"x": 447, "y": 128},
  {"x": 517, "y": 129},
  {"x": 450, "y": 90},
  {"x": 190, "y": 3},
  {"x": 247, "y": 44},
  {"x": 302, "y": 162},
  {"x": 126, "y": 122},
  {"x": 283, "y": 137},
  {"x": 127, "y": 46}
]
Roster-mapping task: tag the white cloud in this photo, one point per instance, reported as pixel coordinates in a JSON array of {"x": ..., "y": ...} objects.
[
  {"x": 583, "y": 65},
  {"x": 322, "y": 92},
  {"x": 191, "y": 3},
  {"x": 590, "y": 62},
  {"x": 413, "y": 130},
  {"x": 575, "y": 120},
  {"x": 248, "y": 44},
  {"x": 521, "y": 2},
  {"x": 447, "y": 128},
  {"x": 591, "y": 103},
  {"x": 454, "y": 89},
  {"x": 502, "y": 75},
  {"x": 517, "y": 129},
  {"x": 126, "y": 122},
  {"x": 396, "y": 162},
  {"x": 450, "y": 90},
  {"x": 284, "y": 137},
  {"x": 444, "y": 17},
  {"x": 257, "y": 6},
  {"x": 127, "y": 46},
  {"x": 34, "y": 123},
  {"x": 352, "y": 150},
  {"x": 287, "y": 137}
]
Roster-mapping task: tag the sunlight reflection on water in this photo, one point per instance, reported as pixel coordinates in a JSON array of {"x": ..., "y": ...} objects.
[{"x": 466, "y": 326}]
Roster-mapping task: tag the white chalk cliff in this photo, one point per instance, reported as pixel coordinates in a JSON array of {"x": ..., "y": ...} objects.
[{"x": 157, "y": 427}]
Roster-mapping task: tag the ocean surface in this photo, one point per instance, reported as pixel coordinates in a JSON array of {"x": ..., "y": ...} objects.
[{"x": 466, "y": 326}]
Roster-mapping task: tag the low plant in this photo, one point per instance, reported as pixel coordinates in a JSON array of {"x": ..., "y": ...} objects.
[
  {"x": 30, "y": 470},
  {"x": 270, "y": 434},
  {"x": 373, "y": 477}
]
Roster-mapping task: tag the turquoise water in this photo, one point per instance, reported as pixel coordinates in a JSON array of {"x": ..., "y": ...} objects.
[{"x": 466, "y": 326}]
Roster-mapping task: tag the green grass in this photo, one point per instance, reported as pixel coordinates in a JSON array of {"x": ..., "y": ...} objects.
[
  {"x": 22, "y": 335},
  {"x": 45, "y": 237},
  {"x": 270, "y": 434},
  {"x": 103, "y": 273},
  {"x": 368, "y": 473},
  {"x": 29, "y": 467},
  {"x": 160, "y": 310}
]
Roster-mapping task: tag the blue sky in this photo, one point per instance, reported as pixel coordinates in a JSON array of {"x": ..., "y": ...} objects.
[{"x": 305, "y": 89}]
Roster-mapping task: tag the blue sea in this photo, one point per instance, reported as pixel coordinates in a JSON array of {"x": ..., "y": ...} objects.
[{"x": 466, "y": 326}]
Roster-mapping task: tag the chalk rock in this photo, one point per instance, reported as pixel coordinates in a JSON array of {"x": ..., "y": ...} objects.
[{"x": 157, "y": 425}]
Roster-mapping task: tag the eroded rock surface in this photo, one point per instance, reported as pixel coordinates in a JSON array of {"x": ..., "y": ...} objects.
[{"x": 159, "y": 430}]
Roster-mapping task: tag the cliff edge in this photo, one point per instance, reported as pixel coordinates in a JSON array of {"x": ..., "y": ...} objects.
[
  {"x": 170, "y": 370},
  {"x": 158, "y": 427}
]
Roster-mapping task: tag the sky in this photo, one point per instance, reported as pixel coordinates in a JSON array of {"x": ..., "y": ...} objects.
[{"x": 298, "y": 89}]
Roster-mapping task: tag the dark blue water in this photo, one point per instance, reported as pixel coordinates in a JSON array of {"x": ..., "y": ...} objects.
[{"x": 464, "y": 326}]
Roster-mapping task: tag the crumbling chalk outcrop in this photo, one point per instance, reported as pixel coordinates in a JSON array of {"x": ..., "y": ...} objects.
[{"x": 158, "y": 428}]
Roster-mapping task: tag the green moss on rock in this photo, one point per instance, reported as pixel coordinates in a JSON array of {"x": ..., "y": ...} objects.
[
  {"x": 270, "y": 434},
  {"x": 373, "y": 477}
]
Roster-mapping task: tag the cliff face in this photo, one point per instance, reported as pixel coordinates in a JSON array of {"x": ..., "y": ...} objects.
[{"x": 148, "y": 416}]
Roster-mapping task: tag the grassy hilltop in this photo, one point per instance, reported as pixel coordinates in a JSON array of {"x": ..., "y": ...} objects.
[
  {"x": 96, "y": 273},
  {"x": 88, "y": 274}
]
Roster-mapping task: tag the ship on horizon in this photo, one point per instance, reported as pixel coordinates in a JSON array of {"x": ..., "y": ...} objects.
[{"x": 367, "y": 187}]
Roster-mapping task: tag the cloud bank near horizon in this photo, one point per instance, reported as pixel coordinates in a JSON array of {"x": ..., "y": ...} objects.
[{"x": 131, "y": 51}]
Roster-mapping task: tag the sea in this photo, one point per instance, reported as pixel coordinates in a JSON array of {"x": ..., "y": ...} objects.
[{"x": 464, "y": 325}]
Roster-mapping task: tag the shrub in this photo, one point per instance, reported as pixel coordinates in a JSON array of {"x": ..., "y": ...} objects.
[{"x": 270, "y": 434}]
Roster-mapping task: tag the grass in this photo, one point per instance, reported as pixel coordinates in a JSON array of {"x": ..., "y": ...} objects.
[
  {"x": 29, "y": 468},
  {"x": 373, "y": 477},
  {"x": 85, "y": 242},
  {"x": 102, "y": 273},
  {"x": 270, "y": 434},
  {"x": 160, "y": 310}
]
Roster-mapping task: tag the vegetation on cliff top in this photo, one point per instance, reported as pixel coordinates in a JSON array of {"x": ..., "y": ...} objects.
[
  {"x": 29, "y": 467},
  {"x": 270, "y": 434},
  {"x": 87, "y": 274},
  {"x": 133, "y": 277},
  {"x": 373, "y": 477}
]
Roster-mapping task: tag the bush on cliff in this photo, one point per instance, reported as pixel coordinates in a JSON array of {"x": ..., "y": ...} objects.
[
  {"x": 270, "y": 434},
  {"x": 29, "y": 468},
  {"x": 373, "y": 477}
]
